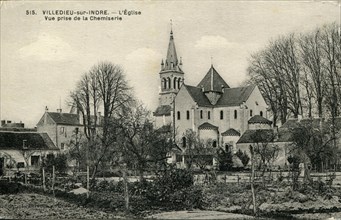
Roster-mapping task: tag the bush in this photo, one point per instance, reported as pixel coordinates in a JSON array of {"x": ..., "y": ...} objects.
[{"x": 9, "y": 187}]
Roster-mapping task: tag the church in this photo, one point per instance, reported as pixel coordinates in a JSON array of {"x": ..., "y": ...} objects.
[{"x": 212, "y": 109}]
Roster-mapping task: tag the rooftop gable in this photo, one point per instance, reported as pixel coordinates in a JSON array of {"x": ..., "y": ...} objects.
[{"x": 235, "y": 96}]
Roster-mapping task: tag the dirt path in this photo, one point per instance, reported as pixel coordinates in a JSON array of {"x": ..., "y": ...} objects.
[
  {"x": 35, "y": 206},
  {"x": 199, "y": 214}
]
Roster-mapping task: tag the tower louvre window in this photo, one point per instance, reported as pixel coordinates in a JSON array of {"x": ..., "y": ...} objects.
[
  {"x": 221, "y": 115},
  {"x": 261, "y": 113},
  {"x": 187, "y": 115},
  {"x": 235, "y": 114},
  {"x": 175, "y": 82},
  {"x": 178, "y": 114}
]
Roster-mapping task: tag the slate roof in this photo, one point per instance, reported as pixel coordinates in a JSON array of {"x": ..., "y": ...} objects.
[
  {"x": 163, "y": 110},
  {"x": 198, "y": 96},
  {"x": 230, "y": 132},
  {"x": 265, "y": 135},
  {"x": 235, "y": 96},
  {"x": 212, "y": 81},
  {"x": 64, "y": 118},
  {"x": 34, "y": 141},
  {"x": 207, "y": 126},
  {"x": 257, "y": 119}
]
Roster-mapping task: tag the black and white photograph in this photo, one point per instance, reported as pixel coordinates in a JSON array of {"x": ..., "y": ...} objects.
[{"x": 211, "y": 109}]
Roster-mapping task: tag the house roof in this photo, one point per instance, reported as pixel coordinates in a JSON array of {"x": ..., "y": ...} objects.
[
  {"x": 207, "y": 126},
  {"x": 235, "y": 96},
  {"x": 212, "y": 81},
  {"x": 259, "y": 135},
  {"x": 230, "y": 132},
  {"x": 198, "y": 96},
  {"x": 257, "y": 119},
  {"x": 33, "y": 141},
  {"x": 163, "y": 110},
  {"x": 64, "y": 118}
]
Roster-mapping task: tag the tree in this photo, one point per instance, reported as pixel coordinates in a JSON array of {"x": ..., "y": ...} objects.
[
  {"x": 103, "y": 87},
  {"x": 198, "y": 152},
  {"x": 225, "y": 160},
  {"x": 312, "y": 142},
  {"x": 243, "y": 156},
  {"x": 142, "y": 145},
  {"x": 59, "y": 161}
]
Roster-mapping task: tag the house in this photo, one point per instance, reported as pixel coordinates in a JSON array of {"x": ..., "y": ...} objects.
[
  {"x": 60, "y": 127},
  {"x": 212, "y": 109},
  {"x": 21, "y": 149}
]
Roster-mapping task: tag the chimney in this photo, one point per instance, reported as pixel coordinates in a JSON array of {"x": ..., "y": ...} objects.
[
  {"x": 46, "y": 109},
  {"x": 3, "y": 122},
  {"x": 9, "y": 122},
  {"x": 59, "y": 110}
]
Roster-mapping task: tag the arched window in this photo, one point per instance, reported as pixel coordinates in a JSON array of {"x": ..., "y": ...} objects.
[
  {"x": 221, "y": 115},
  {"x": 261, "y": 113},
  {"x": 175, "y": 82},
  {"x": 208, "y": 115},
  {"x": 201, "y": 114},
  {"x": 178, "y": 113},
  {"x": 235, "y": 114},
  {"x": 184, "y": 142},
  {"x": 164, "y": 83},
  {"x": 214, "y": 144},
  {"x": 187, "y": 115},
  {"x": 169, "y": 83},
  {"x": 250, "y": 112},
  {"x": 179, "y": 83}
]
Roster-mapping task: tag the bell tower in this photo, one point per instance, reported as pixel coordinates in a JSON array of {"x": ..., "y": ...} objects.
[{"x": 171, "y": 74}]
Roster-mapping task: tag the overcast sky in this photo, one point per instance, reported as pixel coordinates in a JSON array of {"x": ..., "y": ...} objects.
[{"x": 41, "y": 61}]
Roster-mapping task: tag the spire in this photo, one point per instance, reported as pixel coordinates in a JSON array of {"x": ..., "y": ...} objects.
[{"x": 171, "y": 62}]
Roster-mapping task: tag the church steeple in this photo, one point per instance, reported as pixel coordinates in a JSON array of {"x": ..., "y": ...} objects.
[{"x": 171, "y": 62}]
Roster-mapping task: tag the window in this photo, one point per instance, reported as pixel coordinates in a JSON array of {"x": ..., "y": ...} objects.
[
  {"x": 214, "y": 144},
  {"x": 221, "y": 115},
  {"x": 235, "y": 114},
  {"x": 178, "y": 114},
  {"x": 208, "y": 115},
  {"x": 20, "y": 165},
  {"x": 76, "y": 130},
  {"x": 164, "y": 83},
  {"x": 169, "y": 82},
  {"x": 250, "y": 112},
  {"x": 35, "y": 160},
  {"x": 62, "y": 146},
  {"x": 178, "y": 158},
  {"x": 187, "y": 115},
  {"x": 174, "y": 82},
  {"x": 61, "y": 130},
  {"x": 201, "y": 114},
  {"x": 261, "y": 113},
  {"x": 184, "y": 142}
]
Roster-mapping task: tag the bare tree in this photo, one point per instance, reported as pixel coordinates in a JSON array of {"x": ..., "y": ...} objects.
[{"x": 103, "y": 87}]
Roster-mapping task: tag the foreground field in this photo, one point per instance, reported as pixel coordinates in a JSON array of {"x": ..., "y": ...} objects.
[{"x": 35, "y": 206}]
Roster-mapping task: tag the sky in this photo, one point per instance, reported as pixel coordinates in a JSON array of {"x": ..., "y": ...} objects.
[{"x": 41, "y": 61}]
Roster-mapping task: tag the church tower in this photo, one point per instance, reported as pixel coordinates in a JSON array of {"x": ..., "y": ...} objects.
[
  {"x": 171, "y": 79},
  {"x": 171, "y": 74}
]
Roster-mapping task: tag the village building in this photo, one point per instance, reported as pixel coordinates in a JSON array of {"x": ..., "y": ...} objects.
[
  {"x": 61, "y": 127},
  {"x": 212, "y": 109},
  {"x": 23, "y": 150}
]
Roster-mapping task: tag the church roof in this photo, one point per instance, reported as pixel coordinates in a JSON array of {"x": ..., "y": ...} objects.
[
  {"x": 198, "y": 96},
  {"x": 64, "y": 118},
  {"x": 257, "y": 119},
  {"x": 263, "y": 135},
  {"x": 207, "y": 126},
  {"x": 163, "y": 110},
  {"x": 230, "y": 132},
  {"x": 235, "y": 96},
  {"x": 212, "y": 81}
]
